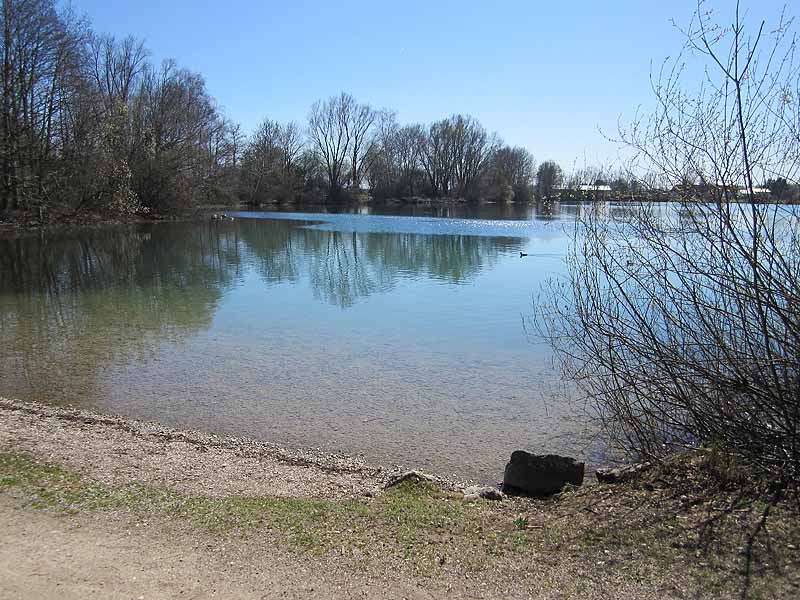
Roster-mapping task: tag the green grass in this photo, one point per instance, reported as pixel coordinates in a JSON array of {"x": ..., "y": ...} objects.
[
  {"x": 639, "y": 535},
  {"x": 406, "y": 515},
  {"x": 521, "y": 523}
]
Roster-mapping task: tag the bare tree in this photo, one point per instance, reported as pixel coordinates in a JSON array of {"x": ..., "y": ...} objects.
[
  {"x": 269, "y": 167},
  {"x": 237, "y": 140},
  {"x": 185, "y": 145},
  {"x": 437, "y": 157},
  {"x": 39, "y": 49},
  {"x": 454, "y": 155},
  {"x": 339, "y": 129},
  {"x": 359, "y": 120},
  {"x": 291, "y": 144},
  {"x": 330, "y": 136},
  {"x": 510, "y": 174},
  {"x": 472, "y": 148},
  {"x": 393, "y": 165},
  {"x": 381, "y": 160},
  {"x": 116, "y": 67},
  {"x": 409, "y": 140},
  {"x": 684, "y": 326}
]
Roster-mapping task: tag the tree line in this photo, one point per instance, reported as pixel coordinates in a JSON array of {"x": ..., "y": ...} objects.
[
  {"x": 351, "y": 148},
  {"x": 89, "y": 123}
]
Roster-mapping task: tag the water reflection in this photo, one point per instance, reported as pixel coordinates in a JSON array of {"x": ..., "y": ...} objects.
[
  {"x": 378, "y": 339},
  {"x": 70, "y": 305},
  {"x": 345, "y": 266}
]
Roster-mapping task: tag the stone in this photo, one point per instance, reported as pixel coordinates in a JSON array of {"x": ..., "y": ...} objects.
[
  {"x": 620, "y": 474},
  {"x": 416, "y": 476},
  {"x": 540, "y": 474},
  {"x": 477, "y": 492}
]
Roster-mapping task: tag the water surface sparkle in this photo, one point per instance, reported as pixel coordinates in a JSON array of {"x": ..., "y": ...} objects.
[{"x": 396, "y": 338}]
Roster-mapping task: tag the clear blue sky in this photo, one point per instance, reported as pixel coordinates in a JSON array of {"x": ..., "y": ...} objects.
[{"x": 545, "y": 75}]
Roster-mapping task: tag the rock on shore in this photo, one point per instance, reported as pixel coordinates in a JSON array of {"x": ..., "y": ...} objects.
[{"x": 540, "y": 474}]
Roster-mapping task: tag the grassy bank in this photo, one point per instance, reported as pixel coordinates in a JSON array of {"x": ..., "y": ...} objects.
[{"x": 664, "y": 534}]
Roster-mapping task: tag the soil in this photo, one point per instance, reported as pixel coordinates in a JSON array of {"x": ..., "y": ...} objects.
[
  {"x": 245, "y": 519},
  {"x": 49, "y": 557}
]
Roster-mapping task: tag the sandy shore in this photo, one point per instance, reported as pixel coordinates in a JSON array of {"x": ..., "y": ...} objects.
[{"x": 118, "y": 451}]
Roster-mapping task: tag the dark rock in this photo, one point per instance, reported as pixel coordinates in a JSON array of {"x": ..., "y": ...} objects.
[
  {"x": 478, "y": 492},
  {"x": 540, "y": 475},
  {"x": 620, "y": 474}
]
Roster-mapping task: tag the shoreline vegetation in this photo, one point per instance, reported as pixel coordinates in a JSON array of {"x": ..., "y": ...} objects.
[
  {"x": 89, "y": 124},
  {"x": 688, "y": 528},
  {"x": 57, "y": 220}
]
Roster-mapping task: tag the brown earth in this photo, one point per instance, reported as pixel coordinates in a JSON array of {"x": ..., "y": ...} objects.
[
  {"x": 45, "y": 556},
  {"x": 108, "y": 507}
]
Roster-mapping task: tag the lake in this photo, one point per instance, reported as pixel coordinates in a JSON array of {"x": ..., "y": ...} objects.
[{"x": 396, "y": 337}]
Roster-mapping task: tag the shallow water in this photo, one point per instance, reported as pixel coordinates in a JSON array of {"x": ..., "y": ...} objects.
[{"x": 399, "y": 338}]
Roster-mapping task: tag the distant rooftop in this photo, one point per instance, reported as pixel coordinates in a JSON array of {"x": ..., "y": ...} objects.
[
  {"x": 585, "y": 188},
  {"x": 594, "y": 188},
  {"x": 740, "y": 189}
]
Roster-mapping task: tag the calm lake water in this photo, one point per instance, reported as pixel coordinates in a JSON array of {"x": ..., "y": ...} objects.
[{"x": 398, "y": 338}]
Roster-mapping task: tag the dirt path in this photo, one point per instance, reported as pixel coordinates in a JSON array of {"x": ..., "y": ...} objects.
[
  {"x": 99, "y": 506},
  {"x": 45, "y": 556},
  {"x": 54, "y": 557}
]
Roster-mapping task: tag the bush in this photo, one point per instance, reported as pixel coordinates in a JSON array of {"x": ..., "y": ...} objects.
[{"x": 683, "y": 324}]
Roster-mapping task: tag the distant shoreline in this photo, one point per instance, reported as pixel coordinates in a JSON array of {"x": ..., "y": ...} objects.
[
  {"x": 26, "y": 222},
  {"x": 54, "y": 221}
]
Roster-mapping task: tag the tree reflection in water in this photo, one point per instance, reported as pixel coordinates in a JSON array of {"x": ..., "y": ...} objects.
[
  {"x": 345, "y": 266},
  {"x": 360, "y": 342},
  {"x": 72, "y": 305}
]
